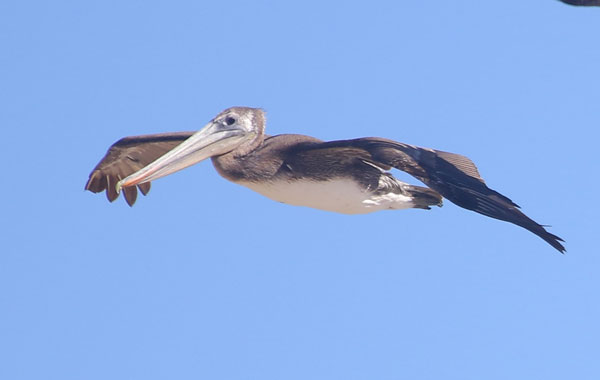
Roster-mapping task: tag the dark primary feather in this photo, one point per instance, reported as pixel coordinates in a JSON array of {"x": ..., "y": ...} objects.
[
  {"x": 588, "y": 3},
  {"x": 126, "y": 157}
]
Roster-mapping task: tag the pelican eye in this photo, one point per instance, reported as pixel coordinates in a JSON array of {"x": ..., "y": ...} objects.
[{"x": 229, "y": 120}]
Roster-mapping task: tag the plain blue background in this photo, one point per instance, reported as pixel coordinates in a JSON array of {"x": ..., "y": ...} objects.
[{"x": 204, "y": 279}]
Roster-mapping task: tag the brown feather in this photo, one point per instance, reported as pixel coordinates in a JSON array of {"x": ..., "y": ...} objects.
[{"x": 127, "y": 156}]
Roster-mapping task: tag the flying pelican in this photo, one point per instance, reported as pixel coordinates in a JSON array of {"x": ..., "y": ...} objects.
[{"x": 345, "y": 176}]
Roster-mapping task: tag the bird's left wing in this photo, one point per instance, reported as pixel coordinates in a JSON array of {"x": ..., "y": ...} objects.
[{"x": 126, "y": 157}]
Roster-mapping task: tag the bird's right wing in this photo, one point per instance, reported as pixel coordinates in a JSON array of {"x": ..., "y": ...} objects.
[
  {"x": 126, "y": 157},
  {"x": 452, "y": 175}
]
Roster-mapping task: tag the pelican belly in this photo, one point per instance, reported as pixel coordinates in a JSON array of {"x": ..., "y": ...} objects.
[{"x": 338, "y": 195}]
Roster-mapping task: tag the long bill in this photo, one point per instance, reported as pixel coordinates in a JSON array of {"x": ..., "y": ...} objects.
[{"x": 212, "y": 140}]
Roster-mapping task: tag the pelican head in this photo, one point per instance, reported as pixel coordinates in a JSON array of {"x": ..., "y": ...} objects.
[{"x": 236, "y": 128}]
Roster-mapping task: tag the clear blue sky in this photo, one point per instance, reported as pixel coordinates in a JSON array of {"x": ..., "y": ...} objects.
[{"x": 204, "y": 279}]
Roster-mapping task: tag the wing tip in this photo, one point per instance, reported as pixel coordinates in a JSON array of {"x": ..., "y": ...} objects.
[
  {"x": 550, "y": 238},
  {"x": 130, "y": 194},
  {"x": 95, "y": 185},
  {"x": 554, "y": 241}
]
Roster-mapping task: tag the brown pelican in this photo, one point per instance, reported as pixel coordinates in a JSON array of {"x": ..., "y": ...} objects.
[
  {"x": 346, "y": 176},
  {"x": 588, "y": 3}
]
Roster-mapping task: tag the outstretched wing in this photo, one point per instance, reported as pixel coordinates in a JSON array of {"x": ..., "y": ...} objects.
[
  {"x": 126, "y": 157},
  {"x": 583, "y": 2},
  {"x": 454, "y": 176}
]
